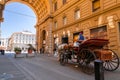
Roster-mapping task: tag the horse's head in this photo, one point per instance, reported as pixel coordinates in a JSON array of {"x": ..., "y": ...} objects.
[{"x": 62, "y": 46}]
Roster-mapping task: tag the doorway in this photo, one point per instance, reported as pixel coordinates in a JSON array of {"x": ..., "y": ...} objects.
[{"x": 65, "y": 39}]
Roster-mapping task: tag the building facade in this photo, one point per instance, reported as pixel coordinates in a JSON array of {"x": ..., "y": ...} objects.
[
  {"x": 60, "y": 21},
  {"x": 95, "y": 18},
  {"x": 4, "y": 43},
  {"x": 22, "y": 39}
]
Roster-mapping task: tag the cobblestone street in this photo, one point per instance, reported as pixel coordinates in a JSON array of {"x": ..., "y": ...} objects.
[{"x": 44, "y": 67}]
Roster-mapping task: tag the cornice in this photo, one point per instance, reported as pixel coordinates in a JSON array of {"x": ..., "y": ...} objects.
[{"x": 45, "y": 19}]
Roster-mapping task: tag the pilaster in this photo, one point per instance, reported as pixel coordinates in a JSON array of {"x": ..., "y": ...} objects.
[{"x": 50, "y": 37}]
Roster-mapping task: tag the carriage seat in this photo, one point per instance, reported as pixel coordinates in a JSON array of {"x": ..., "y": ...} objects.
[
  {"x": 74, "y": 47},
  {"x": 76, "y": 44}
]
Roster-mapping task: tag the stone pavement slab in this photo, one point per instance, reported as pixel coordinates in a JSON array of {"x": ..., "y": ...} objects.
[{"x": 8, "y": 71}]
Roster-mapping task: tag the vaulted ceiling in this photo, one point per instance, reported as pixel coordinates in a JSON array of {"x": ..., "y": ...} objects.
[{"x": 40, "y": 7}]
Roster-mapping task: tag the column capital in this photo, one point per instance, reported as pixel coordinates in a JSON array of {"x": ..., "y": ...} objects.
[
  {"x": 1, "y": 19},
  {"x": 2, "y": 6}
]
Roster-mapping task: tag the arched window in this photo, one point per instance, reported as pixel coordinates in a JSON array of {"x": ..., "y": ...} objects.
[
  {"x": 55, "y": 24},
  {"x": 64, "y": 20},
  {"x": 55, "y": 6},
  {"x": 77, "y": 14}
]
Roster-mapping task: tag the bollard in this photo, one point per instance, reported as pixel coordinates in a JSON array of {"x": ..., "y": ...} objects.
[
  {"x": 2, "y": 52},
  {"x": 99, "y": 70}
]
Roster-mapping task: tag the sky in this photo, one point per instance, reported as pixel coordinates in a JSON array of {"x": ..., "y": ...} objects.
[{"x": 17, "y": 18}]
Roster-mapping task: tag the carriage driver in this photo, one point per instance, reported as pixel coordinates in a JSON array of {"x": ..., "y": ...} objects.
[{"x": 81, "y": 37}]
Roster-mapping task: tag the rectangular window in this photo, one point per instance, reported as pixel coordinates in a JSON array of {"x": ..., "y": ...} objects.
[
  {"x": 55, "y": 6},
  {"x": 64, "y": 20},
  {"x": 77, "y": 14},
  {"x": 64, "y": 2},
  {"x": 95, "y": 4},
  {"x": 99, "y": 33},
  {"x": 55, "y": 24}
]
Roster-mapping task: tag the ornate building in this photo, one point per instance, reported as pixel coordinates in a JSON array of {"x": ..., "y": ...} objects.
[
  {"x": 21, "y": 40},
  {"x": 60, "y": 21}
]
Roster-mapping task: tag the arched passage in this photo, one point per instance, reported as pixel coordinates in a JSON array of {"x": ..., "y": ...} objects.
[
  {"x": 43, "y": 40},
  {"x": 40, "y": 7},
  {"x": 42, "y": 10},
  {"x": 21, "y": 19},
  {"x": 44, "y": 37}
]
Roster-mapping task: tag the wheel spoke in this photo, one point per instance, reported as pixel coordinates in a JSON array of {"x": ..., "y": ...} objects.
[
  {"x": 110, "y": 64},
  {"x": 107, "y": 65},
  {"x": 104, "y": 64},
  {"x": 114, "y": 61}
]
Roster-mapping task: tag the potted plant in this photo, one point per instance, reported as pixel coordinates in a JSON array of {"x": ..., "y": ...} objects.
[
  {"x": 30, "y": 48},
  {"x": 17, "y": 50}
]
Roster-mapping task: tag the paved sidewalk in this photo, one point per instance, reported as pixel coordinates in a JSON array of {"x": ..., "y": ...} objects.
[
  {"x": 25, "y": 68},
  {"x": 8, "y": 70}
]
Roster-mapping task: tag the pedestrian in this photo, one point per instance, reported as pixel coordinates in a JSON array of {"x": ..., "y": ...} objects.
[
  {"x": 40, "y": 50},
  {"x": 54, "y": 50},
  {"x": 43, "y": 50}
]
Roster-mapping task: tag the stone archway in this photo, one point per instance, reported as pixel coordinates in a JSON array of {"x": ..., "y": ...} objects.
[
  {"x": 44, "y": 44},
  {"x": 40, "y": 7},
  {"x": 43, "y": 12}
]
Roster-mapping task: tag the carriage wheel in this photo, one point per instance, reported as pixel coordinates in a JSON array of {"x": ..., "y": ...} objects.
[
  {"x": 113, "y": 64},
  {"x": 86, "y": 61},
  {"x": 63, "y": 59}
]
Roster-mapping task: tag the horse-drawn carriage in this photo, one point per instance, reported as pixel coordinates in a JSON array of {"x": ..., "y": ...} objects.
[{"x": 87, "y": 52}]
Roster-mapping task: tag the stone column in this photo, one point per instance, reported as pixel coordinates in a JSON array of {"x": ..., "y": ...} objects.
[
  {"x": 37, "y": 31},
  {"x": 1, "y": 12},
  {"x": 50, "y": 36}
]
